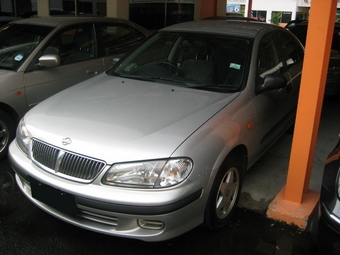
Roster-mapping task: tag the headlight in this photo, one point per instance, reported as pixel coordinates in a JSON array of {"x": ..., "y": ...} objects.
[
  {"x": 149, "y": 174},
  {"x": 23, "y": 137}
]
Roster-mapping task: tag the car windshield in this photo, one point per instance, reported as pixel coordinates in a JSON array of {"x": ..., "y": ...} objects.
[
  {"x": 201, "y": 61},
  {"x": 17, "y": 41}
]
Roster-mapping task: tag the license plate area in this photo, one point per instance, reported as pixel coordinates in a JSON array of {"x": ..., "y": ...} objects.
[{"x": 59, "y": 200}]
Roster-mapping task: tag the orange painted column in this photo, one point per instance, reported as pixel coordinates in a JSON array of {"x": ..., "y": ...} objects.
[{"x": 316, "y": 60}]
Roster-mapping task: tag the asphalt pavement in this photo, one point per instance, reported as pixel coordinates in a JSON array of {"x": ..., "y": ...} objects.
[{"x": 25, "y": 229}]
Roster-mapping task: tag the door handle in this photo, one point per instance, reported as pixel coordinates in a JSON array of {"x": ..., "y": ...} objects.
[{"x": 90, "y": 72}]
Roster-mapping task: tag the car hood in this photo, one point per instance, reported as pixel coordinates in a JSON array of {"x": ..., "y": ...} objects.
[
  {"x": 116, "y": 119},
  {"x": 5, "y": 73}
]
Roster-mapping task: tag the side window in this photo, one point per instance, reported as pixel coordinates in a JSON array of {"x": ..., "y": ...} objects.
[
  {"x": 292, "y": 51},
  {"x": 73, "y": 45},
  {"x": 268, "y": 61},
  {"x": 117, "y": 39},
  {"x": 77, "y": 44}
]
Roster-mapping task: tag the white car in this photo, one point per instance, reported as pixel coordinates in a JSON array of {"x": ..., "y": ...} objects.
[{"x": 160, "y": 143}]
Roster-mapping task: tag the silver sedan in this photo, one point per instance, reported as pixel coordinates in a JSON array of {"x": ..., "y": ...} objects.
[{"x": 160, "y": 143}]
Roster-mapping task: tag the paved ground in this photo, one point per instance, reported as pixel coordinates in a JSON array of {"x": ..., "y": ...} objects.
[{"x": 25, "y": 229}]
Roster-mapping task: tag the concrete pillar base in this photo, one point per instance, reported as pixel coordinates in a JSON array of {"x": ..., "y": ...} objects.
[{"x": 291, "y": 212}]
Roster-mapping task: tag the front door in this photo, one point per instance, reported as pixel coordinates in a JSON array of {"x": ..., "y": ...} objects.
[{"x": 77, "y": 50}]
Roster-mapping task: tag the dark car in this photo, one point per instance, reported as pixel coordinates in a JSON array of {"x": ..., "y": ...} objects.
[
  {"x": 293, "y": 23},
  {"x": 333, "y": 75},
  {"x": 326, "y": 231}
]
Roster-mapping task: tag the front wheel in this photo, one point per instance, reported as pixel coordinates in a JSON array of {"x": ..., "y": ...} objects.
[
  {"x": 224, "y": 194},
  {"x": 7, "y": 133}
]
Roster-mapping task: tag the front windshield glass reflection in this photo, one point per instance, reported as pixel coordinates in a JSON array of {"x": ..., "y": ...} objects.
[
  {"x": 200, "y": 61},
  {"x": 17, "y": 42}
]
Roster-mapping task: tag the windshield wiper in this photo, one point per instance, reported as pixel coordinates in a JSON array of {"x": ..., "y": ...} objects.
[
  {"x": 216, "y": 87},
  {"x": 150, "y": 78},
  {"x": 168, "y": 79},
  {"x": 136, "y": 77}
]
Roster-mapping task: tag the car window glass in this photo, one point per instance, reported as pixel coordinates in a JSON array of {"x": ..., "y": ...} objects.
[
  {"x": 17, "y": 41},
  {"x": 78, "y": 44},
  {"x": 118, "y": 39},
  {"x": 292, "y": 52},
  {"x": 156, "y": 49},
  {"x": 210, "y": 62},
  {"x": 73, "y": 44},
  {"x": 268, "y": 59}
]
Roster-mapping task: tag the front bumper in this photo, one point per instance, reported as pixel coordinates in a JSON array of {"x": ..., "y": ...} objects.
[
  {"x": 328, "y": 232},
  {"x": 152, "y": 217},
  {"x": 331, "y": 219}
]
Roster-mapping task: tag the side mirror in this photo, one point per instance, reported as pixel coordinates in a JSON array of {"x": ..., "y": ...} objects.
[
  {"x": 49, "y": 61},
  {"x": 272, "y": 82}
]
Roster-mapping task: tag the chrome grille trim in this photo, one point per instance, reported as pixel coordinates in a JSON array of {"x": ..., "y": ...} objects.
[
  {"x": 97, "y": 215},
  {"x": 64, "y": 163},
  {"x": 44, "y": 154}
]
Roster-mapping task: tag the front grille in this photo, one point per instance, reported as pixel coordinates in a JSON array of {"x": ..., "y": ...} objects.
[{"x": 69, "y": 164}]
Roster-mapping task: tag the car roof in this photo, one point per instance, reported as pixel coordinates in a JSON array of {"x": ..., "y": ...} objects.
[
  {"x": 56, "y": 21},
  {"x": 227, "y": 27}
]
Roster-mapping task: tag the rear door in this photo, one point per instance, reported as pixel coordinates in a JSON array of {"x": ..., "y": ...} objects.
[{"x": 77, "y": 49}]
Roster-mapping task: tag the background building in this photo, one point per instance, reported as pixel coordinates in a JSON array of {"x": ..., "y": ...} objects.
[
  {"x": 274, "y": 11},
  {"x": 155, "y": 14}
]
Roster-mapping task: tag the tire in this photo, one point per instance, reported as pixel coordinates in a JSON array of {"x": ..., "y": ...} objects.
[
  {"x": 224, "y": 194},
  {"x": 7, "y": 133}
]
